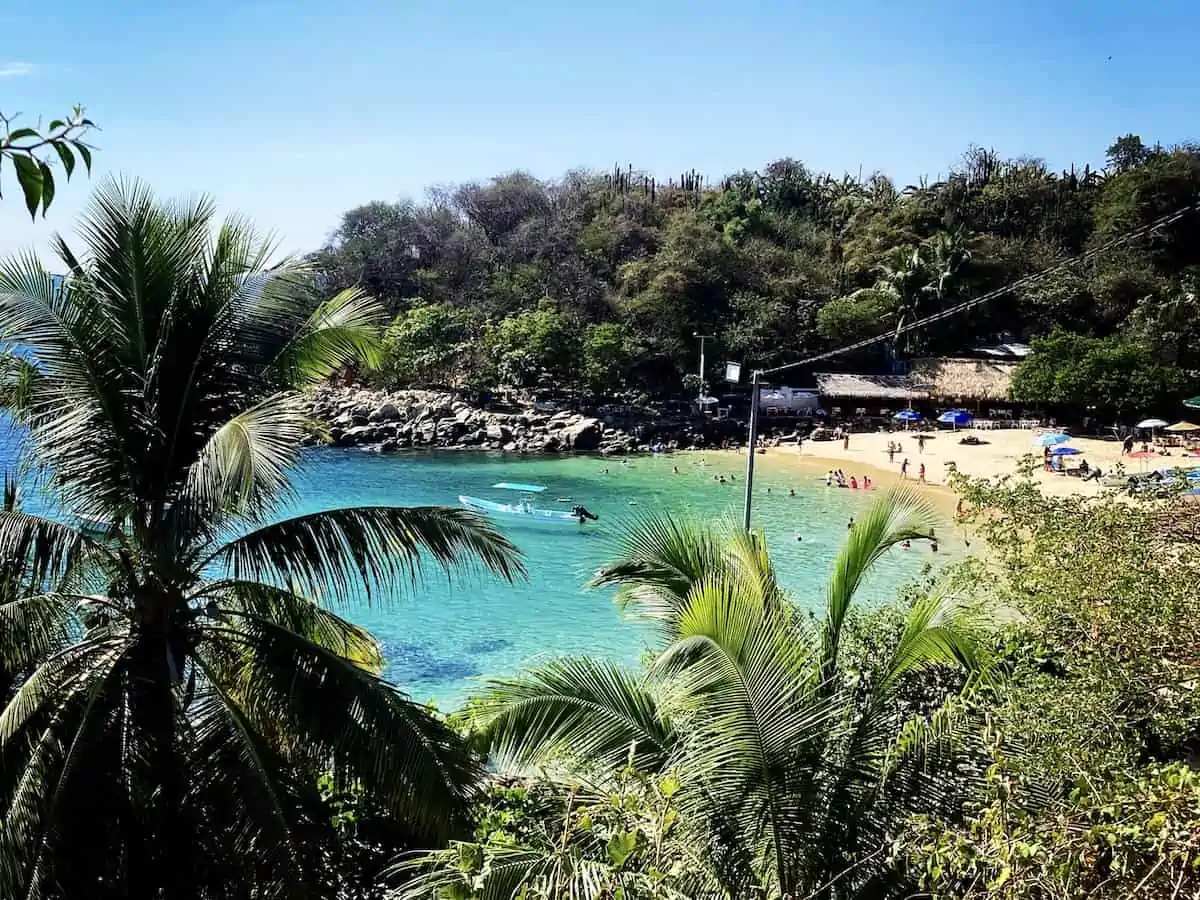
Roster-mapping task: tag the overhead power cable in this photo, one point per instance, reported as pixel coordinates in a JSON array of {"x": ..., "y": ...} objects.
[{"x": 1027, "y": 281}]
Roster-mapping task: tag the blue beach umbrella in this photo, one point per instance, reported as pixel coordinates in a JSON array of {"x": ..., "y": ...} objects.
[
  {"x": 955, "y": 417},
  {"x": 1050, "y": 439},
  {"x": 908, "y": 415},
  {"x": 1065, "y": 451}
]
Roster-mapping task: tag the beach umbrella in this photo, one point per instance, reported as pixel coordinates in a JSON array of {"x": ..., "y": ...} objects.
[
  {"x": 1050, "y": 439},
  {"x": 908, "y": 415},
  {"x": 1192, "y": 403},
  {"x": 1182, "y": 427},
  {"x": 1065, "y": 451},
  {"x": 1152, "y": 424},
  {"x": 955, "y": 417}
]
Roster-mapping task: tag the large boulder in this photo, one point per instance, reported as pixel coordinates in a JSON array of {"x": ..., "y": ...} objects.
[
  {"x": 385, "y": 412},
  {"x": 498, "y": 432},
  {"x": 583, "y": 436}
]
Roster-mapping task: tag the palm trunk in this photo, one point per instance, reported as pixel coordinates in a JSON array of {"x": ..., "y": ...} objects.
[{"x": 159, "y": 870}]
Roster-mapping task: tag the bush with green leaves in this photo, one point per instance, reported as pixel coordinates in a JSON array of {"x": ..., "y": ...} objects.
[
  {"x": 542, "y": 839},
  {"x": 1092, "y": 735}
]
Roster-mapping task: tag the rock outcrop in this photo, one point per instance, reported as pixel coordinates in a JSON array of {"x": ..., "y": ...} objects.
[{"x": 388, "y": 421}]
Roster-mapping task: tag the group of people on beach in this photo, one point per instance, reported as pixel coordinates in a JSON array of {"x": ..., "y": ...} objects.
[{"x": 838, "y": 477}]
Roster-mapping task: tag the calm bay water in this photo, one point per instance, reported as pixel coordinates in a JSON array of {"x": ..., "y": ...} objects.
[
  {"x": 442, "y": 636},
  {"x": 446, "y": 634}
]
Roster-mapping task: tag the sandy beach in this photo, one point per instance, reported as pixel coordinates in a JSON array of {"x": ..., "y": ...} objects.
[{"x": 1000, "y": 455}]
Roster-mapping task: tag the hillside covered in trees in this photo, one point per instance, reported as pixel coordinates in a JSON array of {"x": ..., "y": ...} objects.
[{"x": 599, "y": 281}]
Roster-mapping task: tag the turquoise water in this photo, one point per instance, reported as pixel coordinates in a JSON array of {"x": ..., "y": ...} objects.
[{"x": 446, "y": 634}]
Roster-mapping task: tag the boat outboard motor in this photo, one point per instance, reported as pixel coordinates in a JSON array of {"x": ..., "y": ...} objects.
[{"x": 583, "y": 513}]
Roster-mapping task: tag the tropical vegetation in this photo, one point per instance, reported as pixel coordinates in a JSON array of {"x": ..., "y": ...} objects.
[
  {"x": 520, "y": 281},
  {"x": 175, "y": 676},
  {"x": 768, "y": 763},
  {"x": 188, "y": 711}
]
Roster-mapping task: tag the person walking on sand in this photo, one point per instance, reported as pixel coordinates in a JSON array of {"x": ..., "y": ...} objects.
[
  {"x": 920, "y": 443},
  {"x": 921, "y": 474},
  {"x": 904, "y": 468},
  {"x": 846, "y": 441},
  {"x": 891, "y": 452}
]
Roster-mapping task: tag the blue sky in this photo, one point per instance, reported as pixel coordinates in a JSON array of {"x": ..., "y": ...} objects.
[{"x": 292, "y": 112}]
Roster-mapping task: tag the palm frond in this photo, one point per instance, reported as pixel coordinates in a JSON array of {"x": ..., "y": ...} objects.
[
  {"x": 243, "y": 467},
  {"x": 344, "y": 330},
  {"x": 656, "y": 562},
  {"x": 942, "y": 628},
  {"x": 232, "y": 758},
  {"x": 45, "y": 548},
  {"x": 894, "y": 517},
  {"x": 333, "y": 710},
  {"x": 338, "y": 551},
  {"x": 757, "y": 723},
  {"x": 591, "y": 711},
  {"x": 300, "y": 615},
  {"x": 32, "y": 628}
]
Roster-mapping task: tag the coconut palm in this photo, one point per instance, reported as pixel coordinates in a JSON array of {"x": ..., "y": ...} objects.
[
  {"x": 190, "y": 675},
  {"x": 788, "y": 759}
]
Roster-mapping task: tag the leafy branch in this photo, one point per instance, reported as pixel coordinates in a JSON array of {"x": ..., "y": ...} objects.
[{"x": 28, "y": 148}]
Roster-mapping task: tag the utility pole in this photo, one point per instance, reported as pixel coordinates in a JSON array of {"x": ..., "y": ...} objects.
[
  {"x": 703, "y": 338},
  {"x": 754, "y": 387}
]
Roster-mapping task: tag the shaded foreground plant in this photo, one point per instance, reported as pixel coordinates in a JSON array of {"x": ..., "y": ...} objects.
[
  {"x": 792, "y": 768},
  {"x": 179, "y": 679}
]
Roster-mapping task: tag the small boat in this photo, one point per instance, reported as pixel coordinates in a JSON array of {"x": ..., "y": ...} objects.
[{"x": 524, "y": 509}]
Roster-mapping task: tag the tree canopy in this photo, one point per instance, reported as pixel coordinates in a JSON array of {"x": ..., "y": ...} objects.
[{"x": 784, "y": 261}]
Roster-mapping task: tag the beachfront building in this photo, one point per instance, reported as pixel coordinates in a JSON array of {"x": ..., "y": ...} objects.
[
  {"x": 867, "y": 397},
  {"x": 980, "y": 386}
]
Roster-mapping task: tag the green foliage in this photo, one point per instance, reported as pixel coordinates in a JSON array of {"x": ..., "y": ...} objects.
[
  {"x": 28, "y": 150},
  {"x": 426, "y": 343},
  {"x": 1090, "y": 790},
  {"x": 609, "y": 351},
  {"x": 174, "y": 678},
  {"x": 785, "y": 261},
  {"x": 1115, "y": 375},
  {"x": 1118, "y": 837},
  {"x": 793, "y": 760},
  {"x": 541, "y": 839},
  {"x": 542, "y": 345}
]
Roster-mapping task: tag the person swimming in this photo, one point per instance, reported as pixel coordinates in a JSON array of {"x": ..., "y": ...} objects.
[
  {"x": 829, "y": 478},
  {"x": 791, "y": 492},
  {"x": 853, "y": 483},
  {"x": 906, "y": 545},
  {"x": 850, "y": 524}
]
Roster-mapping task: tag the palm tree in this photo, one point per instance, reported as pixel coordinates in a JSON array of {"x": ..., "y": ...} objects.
[
  {"x": 903, "y": 276},
  {"x": 190, "y": 676},
  {"x": 790, "y": 761}
]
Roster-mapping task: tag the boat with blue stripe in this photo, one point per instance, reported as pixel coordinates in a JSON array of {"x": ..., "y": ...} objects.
[{"x": 524, "y": 510}]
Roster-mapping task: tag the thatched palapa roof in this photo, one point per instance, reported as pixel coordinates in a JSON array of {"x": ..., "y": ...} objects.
[
  {"x": 964, "y": 379},
  {"x": 868, "y": 387}
]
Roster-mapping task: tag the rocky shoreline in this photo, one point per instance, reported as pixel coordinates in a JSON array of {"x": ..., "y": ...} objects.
[{"x": 390, "y": 421}]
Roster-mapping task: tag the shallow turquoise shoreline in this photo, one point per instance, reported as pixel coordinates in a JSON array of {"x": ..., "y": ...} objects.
[{"x": 449, "y": 632}]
